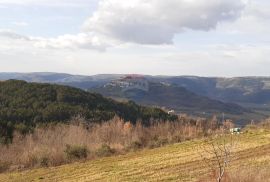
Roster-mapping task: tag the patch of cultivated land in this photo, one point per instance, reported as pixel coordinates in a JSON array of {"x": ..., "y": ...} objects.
[{"x": 178, "y": 162}]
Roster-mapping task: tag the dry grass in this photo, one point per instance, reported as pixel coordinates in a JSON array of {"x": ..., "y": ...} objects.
[
  {"x": 250, "y": 174},
  {"x": 246, "y": 174},
  {"x": 177, "y": 162},
  {"x": 47, "y": 145},
  {"x": 174, "y": 162}
]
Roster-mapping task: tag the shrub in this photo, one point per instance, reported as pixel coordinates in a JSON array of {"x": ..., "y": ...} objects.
[
  {"x": 23, "y": 129},
  {"x": 34, "y": 159},
  {"x": 31, "y": 160},
  {"x": 57, "y": 159},
  {"x": 158, "y": 142},
  {"x": 4, "y": 166},
  {"x": 44, "y": 161},
  {"x": 76, "y": 152},
  {"x": 136, "y": 145},
  {"x": 105, "y": 151},
  {"x": 177, "y": 139},
  {"x": 46, "y": 145}
]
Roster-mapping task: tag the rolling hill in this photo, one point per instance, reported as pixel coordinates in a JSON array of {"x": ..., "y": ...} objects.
[
  {"x": 171, "y": 97},
  {"x": 243, "y": 90},
  {"x": 23, "y": 105},
  {"x": 251, "y": 93},
  {"x": 79, "y": 81}
]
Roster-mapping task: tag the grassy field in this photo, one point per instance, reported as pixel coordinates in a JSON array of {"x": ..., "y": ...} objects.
[{"x": 178, "y": 162}]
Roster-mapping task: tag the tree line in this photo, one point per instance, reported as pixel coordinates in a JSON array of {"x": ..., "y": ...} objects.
[{"x": 25, "y": 105}]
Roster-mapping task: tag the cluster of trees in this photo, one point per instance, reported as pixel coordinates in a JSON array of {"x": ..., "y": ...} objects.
[{"x": 24, "y": 105}]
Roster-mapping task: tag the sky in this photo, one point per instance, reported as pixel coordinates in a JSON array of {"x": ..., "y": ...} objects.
[{"x": 223, "y": 38}]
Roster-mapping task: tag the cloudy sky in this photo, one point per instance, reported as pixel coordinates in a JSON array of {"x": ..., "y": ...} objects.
[{"x": 158, "y": 37}]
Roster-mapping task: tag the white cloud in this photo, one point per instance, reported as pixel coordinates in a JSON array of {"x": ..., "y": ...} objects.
[
  {"x": 18, "y": 54},
  {"x": 72, "y": 3},
  {"x": 157, "y": 21},
  {"x": 78, "y": 41},
  {"x": 117, "y": 22},
  {"x": 81, "y": 41},
  {"x": 12, "y": 35},
  {"x": 255, "y": 19},
  {"x": 124, "y": 25},
  {"x": 20, "y": 23},
  {"x": 259, "y": 9}
]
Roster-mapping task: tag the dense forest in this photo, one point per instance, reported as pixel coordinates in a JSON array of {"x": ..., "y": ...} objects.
[{"x": 25, "y": 105}]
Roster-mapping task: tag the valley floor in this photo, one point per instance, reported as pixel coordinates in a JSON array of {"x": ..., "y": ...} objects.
[{"x": 178, "y": 162}]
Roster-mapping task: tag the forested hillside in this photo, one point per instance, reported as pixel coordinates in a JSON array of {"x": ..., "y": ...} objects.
[{"x": 24, "y": 105}]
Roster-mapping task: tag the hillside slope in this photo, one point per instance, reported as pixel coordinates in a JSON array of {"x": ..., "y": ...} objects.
[
  {"x": 23, "y": 105},
  {"x": 171, "y": 96},
  {"x": 179, "y": 162},
  {"x": 45, "y": 102}
]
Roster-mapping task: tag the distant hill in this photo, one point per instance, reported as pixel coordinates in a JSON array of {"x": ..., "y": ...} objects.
[
  {"x": 251, "y": 92},
  {"x": 27, "y": 104},
  {"x": 78, "y": 81},
  {"x": 166, "y": 95},
  {"x": 245, "y": 90}
]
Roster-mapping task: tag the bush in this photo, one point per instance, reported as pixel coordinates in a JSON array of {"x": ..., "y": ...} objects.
[
  {"x": 135, "y": 146},
  {"x": 44, "y": 161},
  {"x": 158, "y": 143},
  {"x": 76, "y": 152},
  {"x": 35, "y": 160},
  {"x": 105, "y": 151},
  {"x": 4, "y": 166},
  {"x": 177, "y": 139},
  {"x": 32, "y": 160},
  {"x": 23, "y": 129},
  {"x": 46, "y": 146},
  {"x": 6, "y": 132}
]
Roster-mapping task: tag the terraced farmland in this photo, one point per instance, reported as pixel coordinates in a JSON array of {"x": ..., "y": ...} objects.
[{"x": 178, "y": 162}]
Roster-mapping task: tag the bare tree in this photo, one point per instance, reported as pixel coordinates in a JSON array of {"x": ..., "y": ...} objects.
[{"x": 216, "y": 153}]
